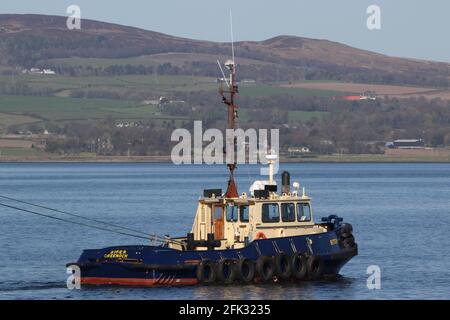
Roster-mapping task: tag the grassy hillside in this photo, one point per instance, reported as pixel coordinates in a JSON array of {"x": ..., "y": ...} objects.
[
  {"x": 26, "y": 40},
  {"x": 175, "y": 58},
  {"x": 7, "y": 120},
  {"x": 57, "y": 108},
  {"x": 149, "y": 83},
  {"x": 109, "y": 72},
  {"x": 264, "y": 90}
]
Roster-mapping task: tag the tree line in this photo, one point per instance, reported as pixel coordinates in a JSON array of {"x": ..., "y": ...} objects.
[{"x": 358, "y": 127}]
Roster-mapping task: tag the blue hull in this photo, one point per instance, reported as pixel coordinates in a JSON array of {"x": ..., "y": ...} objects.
[{"x": 159, "y": 265}]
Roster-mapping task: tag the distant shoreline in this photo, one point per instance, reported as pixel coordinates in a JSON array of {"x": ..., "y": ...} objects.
[{"x": 364, "y": 158}]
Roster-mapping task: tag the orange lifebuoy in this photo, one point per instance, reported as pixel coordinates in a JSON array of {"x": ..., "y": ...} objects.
[{"x": 260, "y": 235}]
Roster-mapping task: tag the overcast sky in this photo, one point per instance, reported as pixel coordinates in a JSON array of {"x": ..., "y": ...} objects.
[{"x": 409, "y": 28}]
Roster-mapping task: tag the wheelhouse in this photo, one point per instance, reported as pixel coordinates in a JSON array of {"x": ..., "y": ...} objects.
[{"x": 231, "y": 223}]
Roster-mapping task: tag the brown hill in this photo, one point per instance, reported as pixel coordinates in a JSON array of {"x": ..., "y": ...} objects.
[{"x": 27, "y": 39}]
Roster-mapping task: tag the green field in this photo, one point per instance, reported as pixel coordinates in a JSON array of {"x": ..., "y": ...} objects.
[
  {"x": 60, "y": 106},
  {"x": 147, "y": 84},
  {"x": 265, "y": 90},
  {"x": 20, "y": 152},
  {"x": 174, "y": 58},
  {"x": 100, "y": 62},
  {"x": 152, "y": 85},
  {"x": 57, "y": 108},
  {"x": 5, "y": 68},
  {"x": 7, "y": 120}
]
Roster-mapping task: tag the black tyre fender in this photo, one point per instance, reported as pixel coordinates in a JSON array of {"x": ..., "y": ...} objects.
[
  {"x": 345, "y": 235},
  {"x": 346, "y": 228},
  {"x": 226, "y": 271},
  {"x": 206, "y": 272},
  {"x": 299, "y": 266},
  {"x": 283, "y": 267},
  {"x": 265, "y": 266},
  {"x": 315, "y": 267},
  {"x": 349, "y": 242},
  {"x": 245, "y": 269}
]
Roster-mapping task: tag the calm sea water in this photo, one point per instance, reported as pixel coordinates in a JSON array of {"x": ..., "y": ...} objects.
[{"x": 400, "y": 214}]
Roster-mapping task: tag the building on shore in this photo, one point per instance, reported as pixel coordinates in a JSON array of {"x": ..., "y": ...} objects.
[
  {"x": 414, "y": 148},
  {"x": 39, "y": 71},
  {"x": 298, "y": 150},
  {"x": 406, "y": 144}
]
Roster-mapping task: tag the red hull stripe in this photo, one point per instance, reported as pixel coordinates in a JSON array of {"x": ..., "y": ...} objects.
[{"x": 138, "y": 282}]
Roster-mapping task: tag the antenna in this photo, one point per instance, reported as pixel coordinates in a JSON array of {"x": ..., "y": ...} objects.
[
  {"x": 230, "y": 64},
  {"x": 232, "y": 38}
]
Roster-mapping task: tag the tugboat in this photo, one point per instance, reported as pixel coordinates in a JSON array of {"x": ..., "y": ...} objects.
[{"x": 263, "y": 236}]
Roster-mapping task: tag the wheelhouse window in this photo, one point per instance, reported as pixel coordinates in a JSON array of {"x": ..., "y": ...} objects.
[
  {"x": 287, "y": 212},
  {"x": 243, "y": 213},
  {"x": 270, "y": 212},
  {"x": 232, "y": 213},
  {"x": 303, "y": 212}
]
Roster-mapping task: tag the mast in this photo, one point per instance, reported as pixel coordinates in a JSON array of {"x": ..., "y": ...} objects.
[
  {"x": 228, "y": 95},
  {"x": 228, "y": 98}
]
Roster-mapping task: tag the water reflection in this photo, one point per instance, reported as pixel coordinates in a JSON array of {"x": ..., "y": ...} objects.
[{"x": 304, "y": 290}]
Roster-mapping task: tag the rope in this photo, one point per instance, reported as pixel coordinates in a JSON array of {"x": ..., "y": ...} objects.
[
  {"x": 73, "y": 222},
  {"x": 75, "y": 215},
  {"x": 142, "y": 236}
]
